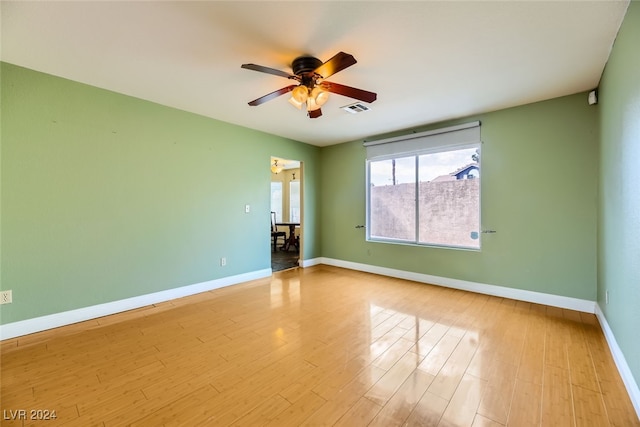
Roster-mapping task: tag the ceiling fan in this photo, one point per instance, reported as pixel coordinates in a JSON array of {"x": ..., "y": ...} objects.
[{"x": 312, "y": 89}]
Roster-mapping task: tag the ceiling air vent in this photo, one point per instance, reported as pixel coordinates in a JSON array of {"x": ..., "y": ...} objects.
[{"x": 358, "y": 107}]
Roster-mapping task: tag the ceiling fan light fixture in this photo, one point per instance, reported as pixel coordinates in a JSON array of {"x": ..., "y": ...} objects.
[
  {"x": 300, "y": 94},
  {"x": 311, "y": 104},
  {"x": 295, "y": 103},
  {"x": 320, "y": 96}
]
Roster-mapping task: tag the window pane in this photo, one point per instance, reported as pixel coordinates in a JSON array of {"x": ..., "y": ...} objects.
[
  {"x": 294, "y": 201},
  {"x": 449, "y": 208},
  {"x": 276, "y": 199},
  {"x": 392, "y": 196}
]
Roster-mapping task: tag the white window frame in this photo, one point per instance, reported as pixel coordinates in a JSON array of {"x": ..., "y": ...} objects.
[
  {"x": 276, "y": 209},
  {"x": 440, "y": 140},
  {"x": 294, "y": 201}
]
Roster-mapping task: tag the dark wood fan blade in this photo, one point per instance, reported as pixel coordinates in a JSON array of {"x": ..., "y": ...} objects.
[
  {"x": 272, "y": 95},
  {"x": 315, "y": 113},
  {"x": 349, "y": 91},
  {"x": 339, "y": 62},
  {"x": 267, "y": 70}
]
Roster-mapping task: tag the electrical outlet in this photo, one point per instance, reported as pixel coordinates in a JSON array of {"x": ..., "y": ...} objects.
[
  {"x": 223, "y": 262},
  {"x": 6, "y": 297}
]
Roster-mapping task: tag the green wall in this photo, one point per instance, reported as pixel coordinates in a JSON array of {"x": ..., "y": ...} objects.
[
  {"x": 619, "y": 213},
  {"x": 106, "y": 197},
  {"x": 539, "y": 192}
]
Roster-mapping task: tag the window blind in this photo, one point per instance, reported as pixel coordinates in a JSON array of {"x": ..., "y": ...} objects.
[{"x": 424, "y": 142}]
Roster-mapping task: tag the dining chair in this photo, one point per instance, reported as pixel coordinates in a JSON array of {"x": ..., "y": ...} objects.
[{"x": 275, "y": 233}]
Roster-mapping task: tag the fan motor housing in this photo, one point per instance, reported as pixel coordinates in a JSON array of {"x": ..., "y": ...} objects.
[{"x": 305, "y": 64}]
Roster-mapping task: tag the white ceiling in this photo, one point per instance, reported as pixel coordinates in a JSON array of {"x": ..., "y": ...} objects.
[{"x": 428, "y": 61}]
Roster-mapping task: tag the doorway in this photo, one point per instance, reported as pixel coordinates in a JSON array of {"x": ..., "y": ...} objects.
[{"x": 286, "y": 202}]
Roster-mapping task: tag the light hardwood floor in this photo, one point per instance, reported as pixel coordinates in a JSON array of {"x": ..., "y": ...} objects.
[{"x": 321, "y": 346}]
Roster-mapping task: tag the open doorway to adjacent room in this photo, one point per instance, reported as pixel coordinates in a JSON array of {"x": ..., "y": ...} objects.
[{"x": 286, "y": 213}]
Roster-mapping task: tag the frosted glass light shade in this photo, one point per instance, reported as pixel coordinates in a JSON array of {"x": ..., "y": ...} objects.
[
  {"x": 300, "y": 94},
  {"x": 295, "y": 103},
  {"x": 311, "y": 104},
  {"x": 320, "y": 96},
  {"x": 275, "y": 168}
]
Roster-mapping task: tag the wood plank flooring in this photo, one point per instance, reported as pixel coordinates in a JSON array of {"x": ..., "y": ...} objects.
[{"x": 320, "y": 346}]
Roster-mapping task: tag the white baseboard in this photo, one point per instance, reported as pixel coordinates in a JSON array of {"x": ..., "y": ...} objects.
[
  {"x": 309, "y": 262},
  {"x": 482, "y": 288},
  {"x": 627, "y": 377},
  {"x": 37, "y": 324}
]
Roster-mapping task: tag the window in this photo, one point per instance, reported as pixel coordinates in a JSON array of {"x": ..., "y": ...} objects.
[
  {"x": 425, "y": 189},
  {"x": 294, "y": 201},
  {"x": 276, "y": 199}
]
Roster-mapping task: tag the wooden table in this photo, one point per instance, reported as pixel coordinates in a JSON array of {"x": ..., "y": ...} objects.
[{"x": 291, "y": 240}]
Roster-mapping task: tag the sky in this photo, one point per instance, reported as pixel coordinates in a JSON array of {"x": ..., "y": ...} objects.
[{"x": 431, "y": 166}]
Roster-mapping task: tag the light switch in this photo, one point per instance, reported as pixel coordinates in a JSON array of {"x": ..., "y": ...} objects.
[{"x": 247, "y": 208}]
